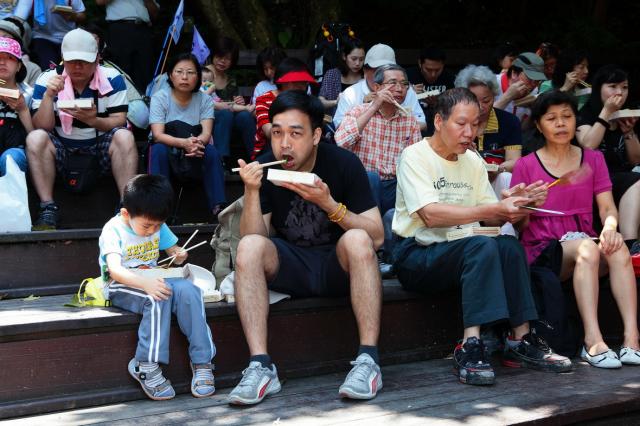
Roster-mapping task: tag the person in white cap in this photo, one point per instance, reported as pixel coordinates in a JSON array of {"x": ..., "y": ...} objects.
[
  {"x": 361, "y": 92},
  {"x": 94, "y": 136}
]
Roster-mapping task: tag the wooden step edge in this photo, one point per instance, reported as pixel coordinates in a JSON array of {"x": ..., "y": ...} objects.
[
  {"x": 220, "y": 311},
  {"x": 87, "y": 233}
]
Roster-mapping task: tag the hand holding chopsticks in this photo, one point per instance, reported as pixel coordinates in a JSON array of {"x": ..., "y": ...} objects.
[
  {"x": 263, "y": 165},
  {"x": 184, "y": 249},
  {"x": 189, "y": 249}
]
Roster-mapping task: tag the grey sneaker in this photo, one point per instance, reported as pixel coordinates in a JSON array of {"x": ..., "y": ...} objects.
[
  {"x": 47, "y": 218},
  {"x": 256, "y": 383},
  {"x": 363, "y": 381}
]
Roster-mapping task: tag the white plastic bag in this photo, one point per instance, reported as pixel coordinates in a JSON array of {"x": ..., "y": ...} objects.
[{"x": 14, "y": 205}]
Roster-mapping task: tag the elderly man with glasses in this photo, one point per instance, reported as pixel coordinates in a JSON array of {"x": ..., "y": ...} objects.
[{"x": 378, "y": 131}]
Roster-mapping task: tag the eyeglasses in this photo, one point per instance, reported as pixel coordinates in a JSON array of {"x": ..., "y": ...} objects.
[
  {"x": 188, "y": 73},
  {"x": 404, "y": 84}
]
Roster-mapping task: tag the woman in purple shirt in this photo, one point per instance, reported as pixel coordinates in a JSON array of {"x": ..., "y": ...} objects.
[{"x": 570, "y": 239}]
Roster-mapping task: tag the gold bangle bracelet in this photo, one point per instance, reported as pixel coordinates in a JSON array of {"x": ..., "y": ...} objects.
[
  {"x": 333, "y": 215},
  {"x": 344, "y": 213}
]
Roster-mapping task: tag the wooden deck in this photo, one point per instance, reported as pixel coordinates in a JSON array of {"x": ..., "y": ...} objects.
[{"x": 413, "y": 394}]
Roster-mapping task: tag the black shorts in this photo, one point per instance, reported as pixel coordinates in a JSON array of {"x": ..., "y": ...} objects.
[
  {"x": 309, "y": 271},
  {"x": 621, "y": 182}
]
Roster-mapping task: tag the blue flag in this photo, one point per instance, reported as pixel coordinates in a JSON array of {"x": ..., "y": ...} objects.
[
  {"x": 199, "y": 47},
  {"x": 178, "y": 21}
]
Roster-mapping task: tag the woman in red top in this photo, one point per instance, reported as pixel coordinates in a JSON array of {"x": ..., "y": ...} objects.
[{"x": 291, "y": 74}]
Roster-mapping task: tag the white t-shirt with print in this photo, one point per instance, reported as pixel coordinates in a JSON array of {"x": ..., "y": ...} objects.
[{"x": 425, "y": 178}]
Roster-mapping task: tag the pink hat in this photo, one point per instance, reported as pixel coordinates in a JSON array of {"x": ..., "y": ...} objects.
[{"x": 11, "y": 47}]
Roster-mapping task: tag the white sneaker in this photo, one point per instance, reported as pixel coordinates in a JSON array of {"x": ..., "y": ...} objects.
[
  {"x": 363, "y": 381},
  {"x": 629, "y": 356},
  {"x": 257, "y": 382},
  {"x": 606, "y": 359}
]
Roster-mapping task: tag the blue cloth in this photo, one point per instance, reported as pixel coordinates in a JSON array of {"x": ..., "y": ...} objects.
[
  {"x": 199, "y": 48},
  {"x": 185, "y": 303},
  {"x": 18, "y": 156},
  {"x": 213, "y": 174},
  {"x": 384, "y": 191},
  {"x": 226, "y": 121}
]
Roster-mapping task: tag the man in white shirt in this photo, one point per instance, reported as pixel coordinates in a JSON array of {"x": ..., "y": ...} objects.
[
  {"x": 361, "y": 92},
  {"x": 442, "y": 187},
  {"x": 130, "y": 39}
]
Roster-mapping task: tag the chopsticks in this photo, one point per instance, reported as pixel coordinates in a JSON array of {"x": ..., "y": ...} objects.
[
  {"x": 273, "y": 163},
  {"x": 184, "y": 246},
  {"x": 401, "y": 108},
  {"x": 172, "y": 258},
  {"x": 583, "y": 83}
]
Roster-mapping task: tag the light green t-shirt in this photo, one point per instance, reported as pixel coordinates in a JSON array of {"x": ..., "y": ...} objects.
[
  {"x": 581, "y": 94},
  {"x": 425, "y": 178}
]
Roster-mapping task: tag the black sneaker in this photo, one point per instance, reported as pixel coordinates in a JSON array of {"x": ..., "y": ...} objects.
[
  {"x": 534, "y": 352},
  {"x": 47, "y": 218},
  {"x": 470, "y": 363}
]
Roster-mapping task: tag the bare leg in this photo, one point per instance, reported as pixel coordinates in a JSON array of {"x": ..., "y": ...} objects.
[
  {"x": 520, "y": 331},
  {"x": 630, "y": 212},
  {"x": 256, "y": 262},
  {"x": 124, "y": 158},
  {"x": 41, "y": 155},
  {"x": 357, "y": 256},
  {"x": 582, "y": 259},
  {"x": 623, "y": 287},
  {"x": 471, "y": 332}
]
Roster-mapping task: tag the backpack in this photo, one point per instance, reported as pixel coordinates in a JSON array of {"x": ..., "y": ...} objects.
[
  {"x": 555, "y": 324},
  {"x": 225, "y": 239},
  {"x": 90, "y": 293}
]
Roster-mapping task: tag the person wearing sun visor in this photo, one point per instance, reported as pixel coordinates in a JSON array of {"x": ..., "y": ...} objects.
[{"x": 291, "y": 74}]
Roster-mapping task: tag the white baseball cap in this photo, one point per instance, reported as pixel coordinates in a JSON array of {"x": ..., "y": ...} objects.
[
  {"x": 380, "y": 55},
  {"x": 79, "y": 45}
]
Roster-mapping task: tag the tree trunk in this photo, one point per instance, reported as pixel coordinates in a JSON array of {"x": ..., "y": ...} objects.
[
  {"x": 321, "y": 11},
  {"x": 215, "y": 17},
  {"x": 256, "y": 24}
]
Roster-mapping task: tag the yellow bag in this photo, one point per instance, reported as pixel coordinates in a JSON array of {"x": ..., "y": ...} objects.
[{"x": 90, "y": 293}]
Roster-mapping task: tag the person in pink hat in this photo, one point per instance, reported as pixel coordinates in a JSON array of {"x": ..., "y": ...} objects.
[{"x": 15, "y": 118}]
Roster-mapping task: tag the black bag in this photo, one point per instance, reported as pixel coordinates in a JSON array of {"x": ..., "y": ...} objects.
[
  {"x": 183, "y": 168},
  {"x": 555, "y": 324},
  {"x": 81, "y": 170}
]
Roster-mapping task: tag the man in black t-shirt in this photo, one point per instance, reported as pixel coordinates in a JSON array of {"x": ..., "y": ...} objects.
[
  {"x": 324, "y": 245},
  {"x": 430, "y": 75}
]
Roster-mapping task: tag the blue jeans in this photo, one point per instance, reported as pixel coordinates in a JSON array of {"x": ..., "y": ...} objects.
[
  {"x": 224, "y": 123},
  {"x": 384, "y": 194},
  {"x": 18, "y": 156},
  {"x": 213, "y": 174},
  {"x": 383, "y": 191}
]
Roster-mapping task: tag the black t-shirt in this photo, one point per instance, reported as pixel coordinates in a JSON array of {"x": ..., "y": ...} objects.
[
  {"x": 612, "y": 145},
  {"x": 12, "y": 131},
  {"x": 444, "y": 81},
  {"x": 305, "y": 224}
]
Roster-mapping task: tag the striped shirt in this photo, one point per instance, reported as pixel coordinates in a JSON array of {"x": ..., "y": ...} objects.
[
  {"x": 113, "y": 102},
  {"x": 263, "y": 103},
  {"x": 382, "y": 140}
]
